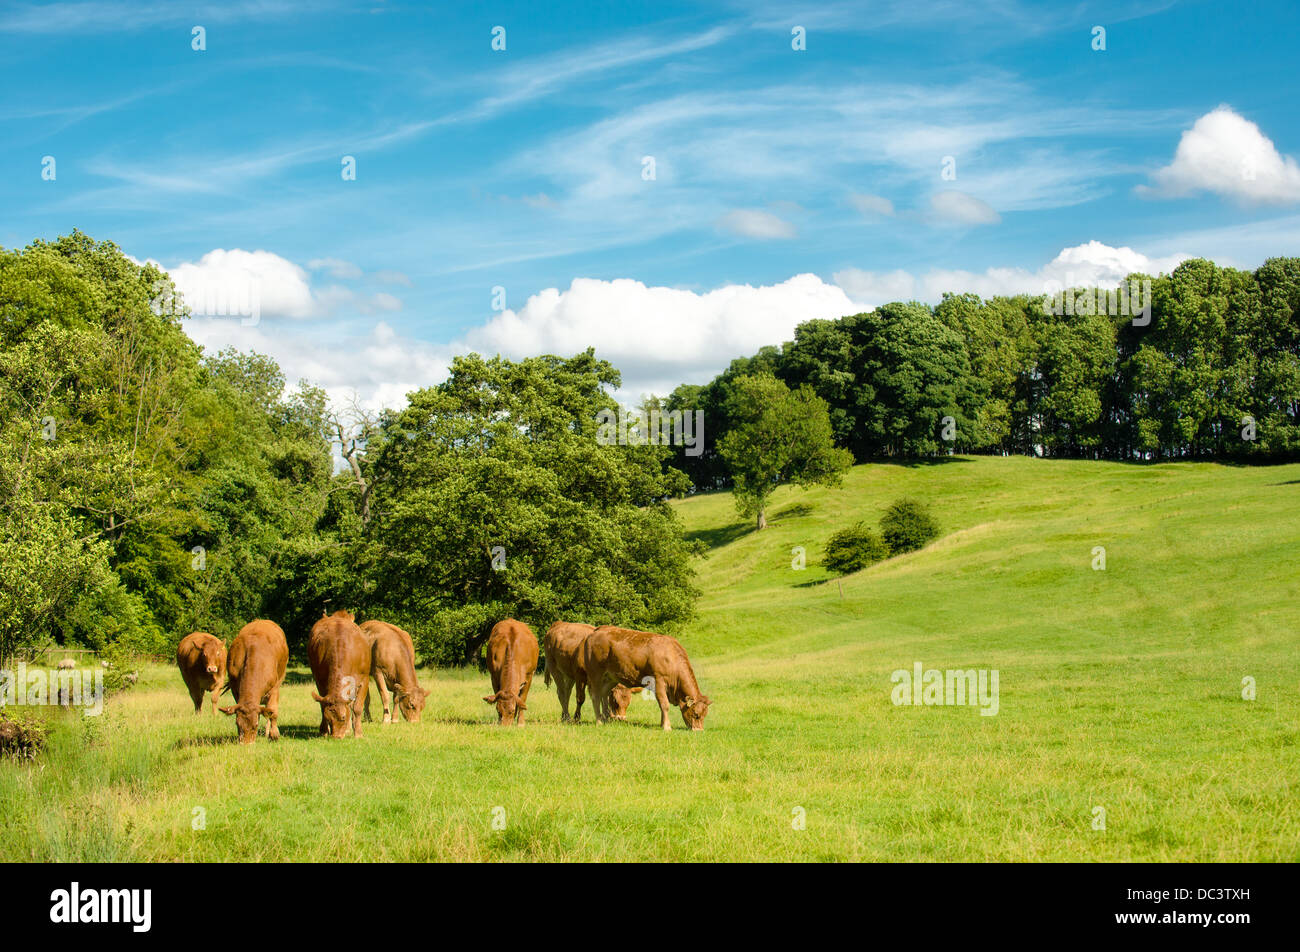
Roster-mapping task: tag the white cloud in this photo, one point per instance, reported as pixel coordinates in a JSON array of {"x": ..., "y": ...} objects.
[
  {"x": 227, "y": 282},
  {"x": 872, "y": 205},
  {"x": 1228, "y": 155},
  {"x": 376, "y": 363},
  {"x": 657, "y": 336},
  {"x": 278, "y": 286},
  {"x": 951, "y": 207},
  {"x": 1087, "y": 265},
  {"x": 755, "y": 223}
]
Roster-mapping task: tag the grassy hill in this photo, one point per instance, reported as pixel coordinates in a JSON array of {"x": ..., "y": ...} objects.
[{"x": 1119, "y": 689}]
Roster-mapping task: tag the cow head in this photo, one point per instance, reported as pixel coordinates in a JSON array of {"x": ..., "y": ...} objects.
[
  {"x": 411, "y": 703},
  {"x": 246, "y": 719},
  {"x": 211, "y": 658},
  {"x": 508, "y": 705},
  {"x": 336, "y": 710},
  {"x": 619, "y": 699},
  {"x": 693, "y": 711}
]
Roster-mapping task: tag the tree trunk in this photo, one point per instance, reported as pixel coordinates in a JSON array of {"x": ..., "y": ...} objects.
[{"x": 762, "y": 519}]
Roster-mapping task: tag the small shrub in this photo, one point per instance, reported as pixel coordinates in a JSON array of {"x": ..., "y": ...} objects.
[
  {"x": 854, "y": 548},
  {"x": 20, "y": 739},
  {"x": 907, "y": 526}
]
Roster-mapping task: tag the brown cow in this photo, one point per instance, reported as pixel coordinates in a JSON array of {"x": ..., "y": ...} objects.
[
  {"x": 563, "y": 645},
  {"x": 624, "y": 656},
  {"x": 340, "y": 662},
  {"x": 254, "y": 672},
  {"x": 202, "y": 660},
  {"x": 392, "y": 662},
  {"x": 512, "y": 661}
]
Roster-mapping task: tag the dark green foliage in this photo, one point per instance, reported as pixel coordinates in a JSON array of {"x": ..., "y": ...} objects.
[
  {"x": 907, "y": 526},
  {"x": 21, "y": 738},
  {"x": 854, "y": 548},
  {"x": 1213, "y": 374},
  {"x": 493, "y": 497},
  {"x": 777, "y": 436}
]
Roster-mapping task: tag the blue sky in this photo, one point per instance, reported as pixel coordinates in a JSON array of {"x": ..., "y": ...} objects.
[{"x": 788, "y": 184}]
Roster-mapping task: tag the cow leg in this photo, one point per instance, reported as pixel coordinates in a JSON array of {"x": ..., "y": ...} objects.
[
  {"x": 216, "y": 692},
  {"x": 272, "y": 719},
  {"x": 661, "y": 695},
  {"x": 523, "y": 696},
  {"x": 357, "y": 706},
  {"x": 582, "y": 696},
  {"x": 385, "y": 697},
  {"x": 196, "y": 695},
  {"x": 563, "y": 688},
  {"x": 597, "y": 688}
]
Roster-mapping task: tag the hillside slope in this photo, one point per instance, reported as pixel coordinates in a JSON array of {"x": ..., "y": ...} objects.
[{"x": 1119, "y": 688}]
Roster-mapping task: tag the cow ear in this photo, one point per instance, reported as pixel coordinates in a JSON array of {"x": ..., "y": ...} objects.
[
  {"x": 266, "y": 711},
  {"x": 317, "y": 697},
  {"x": 635, "y": 689},
  {"x": 424, "y": 691},
  {"x": 491, "y": 699},
  {"x": 521, "y": 706},
  {"x": 227, "y": 710}
]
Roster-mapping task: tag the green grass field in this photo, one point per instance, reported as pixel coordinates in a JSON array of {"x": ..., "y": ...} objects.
[{"x": 1119, "y": 689}]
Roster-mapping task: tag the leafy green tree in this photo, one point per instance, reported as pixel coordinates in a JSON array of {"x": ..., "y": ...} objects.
[
  {"x": 912, "y": 371},
  {"x": 907, "y": 526},
  {"x": 778, "y": 436},
  {"x": 494, "y": 497},
  {"x": 854, "y": 548},
  {"x": 150, "y": 490}
]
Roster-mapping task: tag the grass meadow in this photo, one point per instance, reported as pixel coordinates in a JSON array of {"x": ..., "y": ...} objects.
[{"x": 1120, "y": 688}]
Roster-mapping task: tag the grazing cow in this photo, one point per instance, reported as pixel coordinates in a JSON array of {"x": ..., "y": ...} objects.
[
  {"x": 339, "y": 656},
  {"x": 624, "y": 656},
  {"x": 67, "y": 664},
  {"x": 254, "y": 672},
  {"x": 202, "y": 660},
  {"x": 563, "y": 646},
  {"x": 392, "y": 664},
  {"x": 512, "y": 661}
]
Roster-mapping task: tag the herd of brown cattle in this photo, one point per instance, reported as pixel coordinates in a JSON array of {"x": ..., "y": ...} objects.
[{"x": 609, "y": 662}]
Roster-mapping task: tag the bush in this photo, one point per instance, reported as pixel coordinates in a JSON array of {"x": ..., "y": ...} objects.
[
  {"x": 906, "y": 526},
  {"x": 20, "y": 739},
  {"x": 854, "y": 548}
]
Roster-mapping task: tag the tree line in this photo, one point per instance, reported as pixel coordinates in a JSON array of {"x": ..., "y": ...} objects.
[{"x": 1212, "y": 371}]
